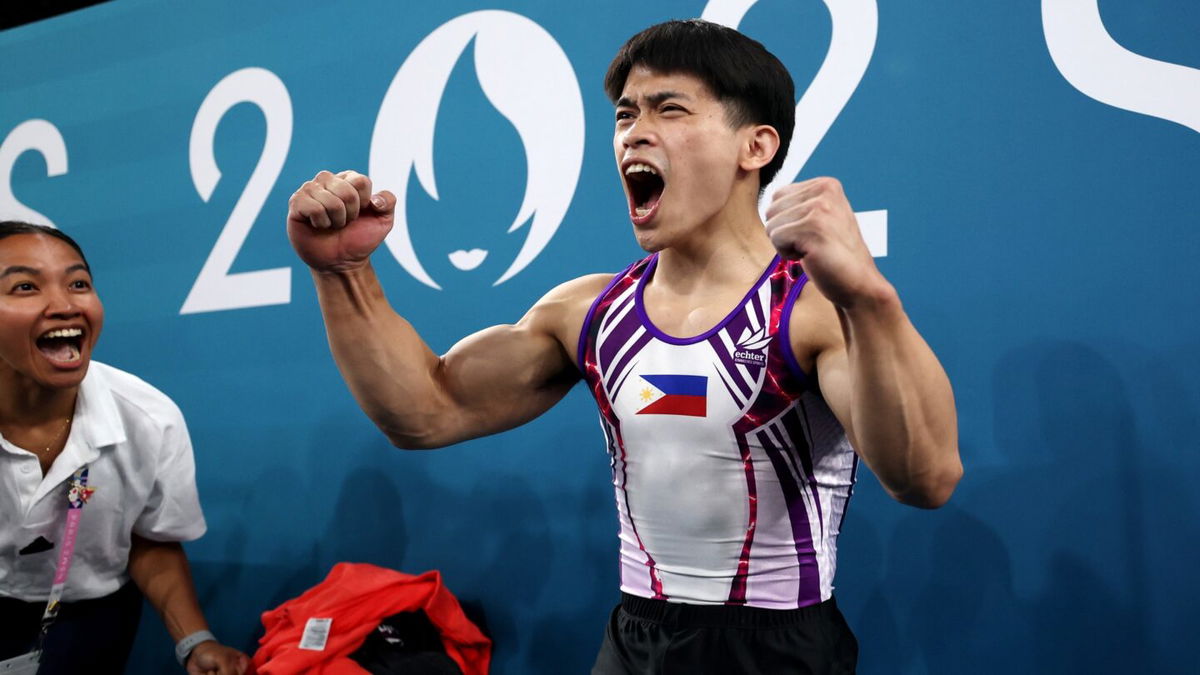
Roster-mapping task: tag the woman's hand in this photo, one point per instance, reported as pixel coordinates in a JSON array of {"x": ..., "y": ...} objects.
[{"x": 214, "y": 658}]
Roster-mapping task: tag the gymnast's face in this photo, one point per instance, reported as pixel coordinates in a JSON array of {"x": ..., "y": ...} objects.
[
  {"x": 50, "y": 315},
  {"x": 677, "y": 154}
]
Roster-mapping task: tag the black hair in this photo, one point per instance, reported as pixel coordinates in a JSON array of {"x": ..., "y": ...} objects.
[
  {"x": 9, "y": 228},
  {"x": 753, "y": 85}
]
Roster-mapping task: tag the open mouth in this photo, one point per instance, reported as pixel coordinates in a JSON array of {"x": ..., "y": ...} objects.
[
  {"x": 645, "y": 191},
  {"x": 62, "y": 346}
]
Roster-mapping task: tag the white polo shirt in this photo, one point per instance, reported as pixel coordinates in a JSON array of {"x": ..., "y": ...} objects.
[{"x": 139, "y": 456}]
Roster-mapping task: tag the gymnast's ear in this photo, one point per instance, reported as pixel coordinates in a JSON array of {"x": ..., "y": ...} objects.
[{"x": 760, "y": 142}]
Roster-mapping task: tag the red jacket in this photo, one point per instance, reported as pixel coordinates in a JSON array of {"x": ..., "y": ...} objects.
[{"x": 358, "y": 597}]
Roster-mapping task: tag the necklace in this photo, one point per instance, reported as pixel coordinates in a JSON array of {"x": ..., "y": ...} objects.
[{"x": 59, "y": 435}]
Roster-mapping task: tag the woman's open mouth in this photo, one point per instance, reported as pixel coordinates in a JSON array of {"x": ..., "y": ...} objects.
[{"x": 62, "y": 347}]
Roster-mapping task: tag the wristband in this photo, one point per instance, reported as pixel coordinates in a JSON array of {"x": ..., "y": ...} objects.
[{"x": 183, "y": 648}]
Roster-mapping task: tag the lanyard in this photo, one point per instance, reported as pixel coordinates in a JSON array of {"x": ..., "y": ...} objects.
[{"x": 77, "y": 495}]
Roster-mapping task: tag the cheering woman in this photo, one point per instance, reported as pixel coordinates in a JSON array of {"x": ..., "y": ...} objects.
[{"x": 97, "y": 481}]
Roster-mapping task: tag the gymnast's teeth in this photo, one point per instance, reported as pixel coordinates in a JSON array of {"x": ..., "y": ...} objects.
[
  {"x": 63, "y": 333},
  {"x": 639, "y": 168}
]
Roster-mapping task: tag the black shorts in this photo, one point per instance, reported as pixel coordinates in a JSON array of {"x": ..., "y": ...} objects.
[
  {"x": 656, "y": 637},
  {"x": 89, "y": 636}
]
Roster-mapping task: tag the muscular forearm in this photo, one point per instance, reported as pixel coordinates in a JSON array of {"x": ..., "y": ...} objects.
[
  {"x": 902, "y": 407},
  {"x": 388, "y": 367},
  {"x": 161, "y": 571}
]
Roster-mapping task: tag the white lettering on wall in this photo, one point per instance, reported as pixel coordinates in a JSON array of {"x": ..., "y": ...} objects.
[
  {"x": 38, "y": 135},
  {"x": 216, "y": 288},
  {"x": 1092, "y": 61}
]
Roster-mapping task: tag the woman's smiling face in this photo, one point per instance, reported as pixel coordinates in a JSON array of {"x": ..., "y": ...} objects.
[{"x": 50, "y": 315}]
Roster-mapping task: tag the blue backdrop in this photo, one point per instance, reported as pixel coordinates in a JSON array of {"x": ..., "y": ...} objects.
[{"x": 1031, "y": 176}]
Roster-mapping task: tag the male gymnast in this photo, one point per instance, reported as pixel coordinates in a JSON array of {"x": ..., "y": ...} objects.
[{"x": 740, "y": 370}]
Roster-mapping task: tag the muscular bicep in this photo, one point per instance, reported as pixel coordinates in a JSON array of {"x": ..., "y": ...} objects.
[
  {"x": 504, "y": 376},
  {"x": 820, "y": 348},
  {"x": 892, "y": 397},
  {"x": 834, "y": 379}
]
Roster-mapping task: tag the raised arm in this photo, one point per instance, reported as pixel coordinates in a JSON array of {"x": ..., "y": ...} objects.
[
  {"x": 490, "y": 381},
  {"x": 875, "y": 370}
]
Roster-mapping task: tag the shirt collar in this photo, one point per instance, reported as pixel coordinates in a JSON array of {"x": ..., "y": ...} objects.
[
  {"x": 97, "y": 424},
  {"x": 96, "y": 415}
]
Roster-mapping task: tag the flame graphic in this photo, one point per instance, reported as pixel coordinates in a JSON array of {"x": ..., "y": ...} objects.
[{"x": 527, "y": 77}]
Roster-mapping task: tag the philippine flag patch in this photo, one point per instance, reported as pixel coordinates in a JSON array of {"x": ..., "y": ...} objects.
[{"x": 675, "y": 395}]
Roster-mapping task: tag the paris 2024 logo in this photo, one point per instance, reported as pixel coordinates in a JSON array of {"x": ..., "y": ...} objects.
[{"x": 527, "y": 78}]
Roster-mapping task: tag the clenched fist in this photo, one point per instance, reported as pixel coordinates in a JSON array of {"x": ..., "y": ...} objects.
[
  {"x": 335, "y": 222},
  {"x": 813, "y": 222}
]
